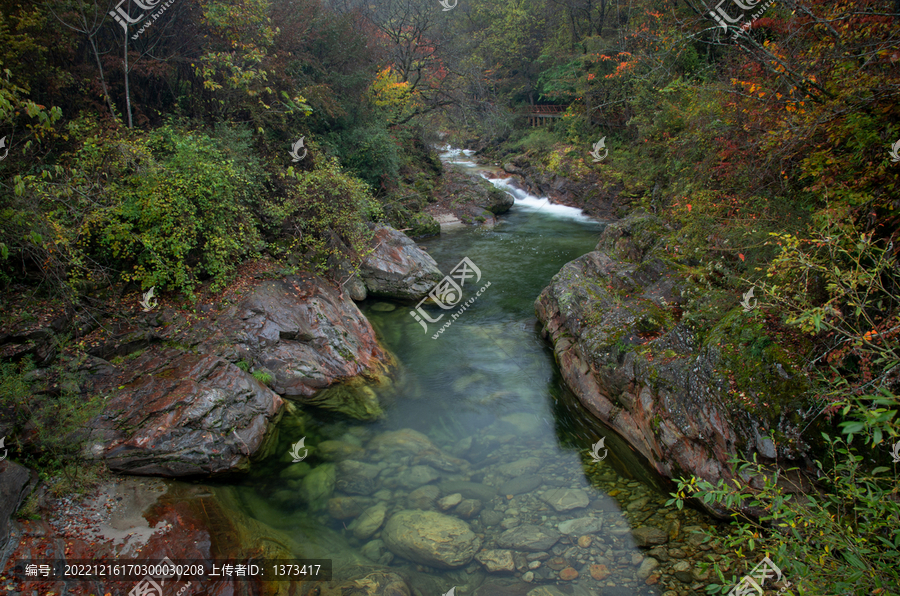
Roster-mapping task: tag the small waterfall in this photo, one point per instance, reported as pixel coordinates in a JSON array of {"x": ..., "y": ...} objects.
[{"x": 528, "y": 201}]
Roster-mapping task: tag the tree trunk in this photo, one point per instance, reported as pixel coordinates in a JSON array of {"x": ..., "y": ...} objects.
[
  {"x": 112, "y": 109},
  {"x": 127, "y": 85}
]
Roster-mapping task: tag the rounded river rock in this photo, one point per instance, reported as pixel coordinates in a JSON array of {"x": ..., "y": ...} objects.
[{"x": 431, "y": 538}]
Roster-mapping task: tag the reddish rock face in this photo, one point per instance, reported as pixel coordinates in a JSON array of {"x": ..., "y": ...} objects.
[
  {"x": 181, "y": 414},
  {"x": 668, "y": 408},
  {"x": 187, "y": 524},
  {"x": 299, "y": 329},
  {"x": 190, "y": 410}
]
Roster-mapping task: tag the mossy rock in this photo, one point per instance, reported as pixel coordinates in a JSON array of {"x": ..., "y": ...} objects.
[
  {"x": 766, "y": 372},
  {"x": 422, "y": 224}
]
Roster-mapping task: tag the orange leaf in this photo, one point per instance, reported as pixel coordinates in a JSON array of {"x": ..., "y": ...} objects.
[
  {"x": 689, "y": 207},
  {"x": 741, "y": 256}
]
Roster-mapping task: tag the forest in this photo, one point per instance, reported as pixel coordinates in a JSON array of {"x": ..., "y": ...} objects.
[{"x": 173, "y": 144}]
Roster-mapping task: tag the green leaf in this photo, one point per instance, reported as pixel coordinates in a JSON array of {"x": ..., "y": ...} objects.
[{"x": 854, "y": 560}]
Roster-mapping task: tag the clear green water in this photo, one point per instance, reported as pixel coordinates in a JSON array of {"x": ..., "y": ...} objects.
[{"x": 488, "y": 392}]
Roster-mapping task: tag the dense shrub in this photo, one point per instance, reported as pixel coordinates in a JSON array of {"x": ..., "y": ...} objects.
[
  {"x": 174, "y": 207},
  {"x": 323, "y": 214},
  {"x": 166, "y": 209}
]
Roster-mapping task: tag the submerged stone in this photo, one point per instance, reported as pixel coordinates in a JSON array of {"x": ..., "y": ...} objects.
[
  {"x": 431, "y": 538},
  {"x": 369, "y": 521},
  {"x": 336, "y": 450},
  {"x": 468, "y": 508},
  {"x": 581, "y": 525},
  {"x": 450, "y": 501},
  {"x": 521, "y": 485},
  {"x": 347, "y": 507},
  {"x": 417, "y": 476},
  {"x": 384, "y": 307},
  {"x": 356, "y": 477},
  {"x": 646, "y": 536},
  {"x": 521, "y": 467},
  {"x": 564, "y": 499},
  {"x": 423, "y": 497},
  {"x": 470, "y": 490},
  {"x": 405, "y": 441},
  {"x": 529, "y": 538},
  {"x": 497, "y": 560},
  {"x": 318, "y": 486}
]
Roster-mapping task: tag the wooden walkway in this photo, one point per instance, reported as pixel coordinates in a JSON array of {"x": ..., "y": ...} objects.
[{"x": 540, "y": 115}]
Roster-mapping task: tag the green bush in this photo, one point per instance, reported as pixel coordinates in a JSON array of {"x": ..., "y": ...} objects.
[
  {"x": 838, "y": 540},
  {"x": 371, "y": 154},
  {"x": 187, "y": 212},
  {"x": 166, "y": 209},
  {"x": 323, "y": 215},
  {"x": 836, "y": 286},
  {"x": 538, "y": 140}
]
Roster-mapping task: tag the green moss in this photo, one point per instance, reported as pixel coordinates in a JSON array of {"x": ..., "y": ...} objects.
[
  {"x": 764, "y": 377},
  {"x": 263, "y": 377}
]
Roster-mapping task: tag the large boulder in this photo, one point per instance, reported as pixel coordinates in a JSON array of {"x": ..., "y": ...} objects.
[
  {"x": 614, "y": 318},
  {"x": 180, "y": 414},
  {"x": 397, "y": 268},
  {"x": 15, "y": 483},
  {"x": 470, "y": 197},
  {"x": 300, "y": 330},
  {"x": 499, "y": 201},
  {"x": 202, "y": 407},
  {"x": 431, "y": 538}
]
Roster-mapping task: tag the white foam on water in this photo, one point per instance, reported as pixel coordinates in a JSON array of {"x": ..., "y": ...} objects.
[
  {"x": 530, "y": 202},
  {"x": 457, "y": 156},
  {"x": 524, "y": 200}
]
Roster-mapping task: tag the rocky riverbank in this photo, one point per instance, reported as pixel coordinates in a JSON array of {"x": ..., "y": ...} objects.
[
  {"x": 625, "y": 325},
  {"x": 195, "y": 392}
]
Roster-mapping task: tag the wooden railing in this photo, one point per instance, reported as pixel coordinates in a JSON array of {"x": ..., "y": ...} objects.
[{"x": 539, "y": 115}]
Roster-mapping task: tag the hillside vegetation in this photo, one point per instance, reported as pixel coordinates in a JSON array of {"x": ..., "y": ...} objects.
[{"x": 230, "y": 131}]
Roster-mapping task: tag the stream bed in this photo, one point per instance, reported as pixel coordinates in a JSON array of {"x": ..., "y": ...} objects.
[{"x": 479, "y": 432}]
